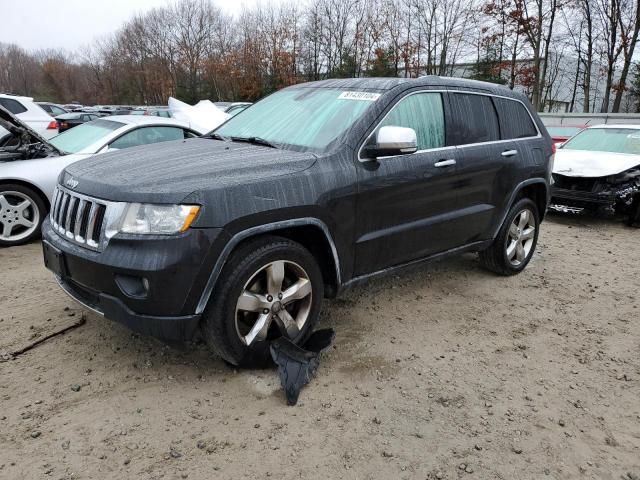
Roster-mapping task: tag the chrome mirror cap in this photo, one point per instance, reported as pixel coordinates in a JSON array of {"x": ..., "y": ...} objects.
[
  {"x": 397, "y": 138},
  {"x": 391, "y": 141}
]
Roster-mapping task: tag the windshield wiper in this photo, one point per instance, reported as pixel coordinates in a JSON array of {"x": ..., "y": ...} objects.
[
  {"x": 217, "y": 136},
  {"x": 254, "y": 141}
]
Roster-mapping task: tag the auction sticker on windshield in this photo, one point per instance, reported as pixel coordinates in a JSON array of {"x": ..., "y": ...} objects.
[{"x": 366, "y": 96}]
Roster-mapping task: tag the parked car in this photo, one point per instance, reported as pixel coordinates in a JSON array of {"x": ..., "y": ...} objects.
[
  {"x": 562, "y": 133},
  {"x": 158, "y": 112},
  {"x": 30, "y": 113},
  {"x": 70, "y": 120},
  {"x": 153, "y": 111},
  {"x": 73, "y": 107},
  {"x": 52, "y": 109},
  {"x": 241, "y": 233},
  {"x": 30, "y": 164},
  {"x": 598, "y": 170}
]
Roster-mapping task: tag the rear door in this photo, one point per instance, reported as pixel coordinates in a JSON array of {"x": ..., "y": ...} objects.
[
  {"x": 486, "y": 168},
  {"x": 407, "y": 204}
]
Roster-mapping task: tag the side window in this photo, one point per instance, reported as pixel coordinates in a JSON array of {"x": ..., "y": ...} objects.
[
  {"x": 12, "y": 105},
  {"x": 424, "y": 113},
  {"x": 515, "y": 121},
  {"x": 474, "y": 119},
  {"x": 147, "y": 135}
]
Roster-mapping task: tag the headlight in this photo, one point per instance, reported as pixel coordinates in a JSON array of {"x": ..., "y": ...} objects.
[{"x": 144, "y": 218}]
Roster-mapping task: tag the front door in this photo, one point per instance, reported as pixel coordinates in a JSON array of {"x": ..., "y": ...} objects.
[{"x": 406, "y": 206}]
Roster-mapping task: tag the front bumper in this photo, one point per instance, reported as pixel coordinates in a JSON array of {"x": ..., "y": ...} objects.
[
  {"x": 150, "y": 284},
  {"x": 581, "y": 199}
]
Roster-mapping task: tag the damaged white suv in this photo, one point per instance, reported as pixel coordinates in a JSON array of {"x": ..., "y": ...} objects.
[{"x": 598, "y": 170}]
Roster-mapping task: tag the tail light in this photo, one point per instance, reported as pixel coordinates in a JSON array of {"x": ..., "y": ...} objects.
[
  {"x": 53, "y": 125},
  {"x": 554, "y": 149}
]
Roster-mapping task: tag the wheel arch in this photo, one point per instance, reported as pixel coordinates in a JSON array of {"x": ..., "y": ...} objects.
[
  {"x": 310, "y": 232},
  {"x": 537, "y": 189},
  {"x": 32, "y": 186}
]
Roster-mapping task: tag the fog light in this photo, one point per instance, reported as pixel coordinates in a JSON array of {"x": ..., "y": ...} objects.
[{"x": 131, "y": 286}]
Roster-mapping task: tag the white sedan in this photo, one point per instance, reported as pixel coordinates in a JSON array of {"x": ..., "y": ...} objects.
[
  {"x": 30, "y": 165},
  {"x": 599, "y": 170}
]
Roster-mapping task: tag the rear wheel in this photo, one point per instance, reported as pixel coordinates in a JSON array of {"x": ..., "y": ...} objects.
[
  {"x": 22, "y": 212},
  {"x": 269, "y": 287},
  {"x": 516, "y": 242}
]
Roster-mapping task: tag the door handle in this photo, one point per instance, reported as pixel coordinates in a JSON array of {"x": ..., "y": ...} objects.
[
  {"x": 509, "y": 153},
  {"x": 445, "y": 163}
]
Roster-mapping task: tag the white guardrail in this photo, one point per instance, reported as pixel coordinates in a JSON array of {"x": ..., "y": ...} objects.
[{"x": 556, "y": 119}]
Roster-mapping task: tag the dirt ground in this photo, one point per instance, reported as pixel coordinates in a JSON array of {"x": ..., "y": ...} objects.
[{"x": 448, "y": 372}]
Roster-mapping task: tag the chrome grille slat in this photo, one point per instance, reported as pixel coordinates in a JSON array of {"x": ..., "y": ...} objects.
[
  {"x": 93, "y": 213},
  {"x": 78, "y": 218},
  {"x": 69, "y": 216},
  {"x": 78, "y": 221},
  {"x": 54, "y": 205}
]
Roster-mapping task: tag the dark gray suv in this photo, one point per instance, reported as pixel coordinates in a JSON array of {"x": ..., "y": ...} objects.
[{"x": 239, "y": 234}]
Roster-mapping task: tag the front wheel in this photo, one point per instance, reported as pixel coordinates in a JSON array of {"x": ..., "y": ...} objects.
[
  {"x": 21, "y": 214},
  {"x": 516, "y": 242},
  {"x": 269, "y": 287}
]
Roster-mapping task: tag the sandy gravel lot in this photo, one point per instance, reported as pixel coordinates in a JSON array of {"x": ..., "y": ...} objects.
[{"x": 446, "y": 373}]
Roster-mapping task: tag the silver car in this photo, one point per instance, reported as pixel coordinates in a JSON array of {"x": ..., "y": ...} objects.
[{"x": 30, "y": 164}]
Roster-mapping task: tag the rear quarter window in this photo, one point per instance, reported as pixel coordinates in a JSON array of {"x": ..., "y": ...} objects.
[
  {"x": 515, "y": 121},
  {"x": 12, "y": 105},
  {"x": 473, "y": 119}
]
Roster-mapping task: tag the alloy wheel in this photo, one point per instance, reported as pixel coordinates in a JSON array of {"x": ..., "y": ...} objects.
[
  {"x": 279, "y": 293},
  {"x": 19, "y": 216},
  {"x": 520, "y": 240}
]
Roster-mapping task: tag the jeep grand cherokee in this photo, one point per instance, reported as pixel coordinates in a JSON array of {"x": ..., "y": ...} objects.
[{"x": 241, "y": 233}]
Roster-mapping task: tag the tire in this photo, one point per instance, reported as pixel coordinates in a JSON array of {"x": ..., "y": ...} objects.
[
  {"x": 22, "y": 212},
  {"x": 499, "y": 257},
  {"x": 230, "y": 324},
  {"x": 634, "y": 213}
]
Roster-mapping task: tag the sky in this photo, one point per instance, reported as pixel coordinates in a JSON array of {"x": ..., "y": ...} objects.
[{"x": 71, "y": 24}]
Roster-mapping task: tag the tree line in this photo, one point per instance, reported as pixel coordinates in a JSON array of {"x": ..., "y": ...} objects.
[{"x": 579, "y": 50}]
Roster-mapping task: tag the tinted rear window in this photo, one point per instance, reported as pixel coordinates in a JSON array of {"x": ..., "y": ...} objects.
[
  {"x": 12, "y": 105},
  {"x": 515, "y": 121},
  {"x": 474, "y": 119}
]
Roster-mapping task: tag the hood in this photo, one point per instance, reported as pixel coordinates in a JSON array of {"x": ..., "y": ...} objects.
[
  {"x": 18, "y": 128},
  {"x": 582, "y": 163},
  {"x": 168, "y": 172}
]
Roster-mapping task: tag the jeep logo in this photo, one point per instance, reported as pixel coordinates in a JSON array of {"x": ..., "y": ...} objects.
[{"x": 71, "y": 182}]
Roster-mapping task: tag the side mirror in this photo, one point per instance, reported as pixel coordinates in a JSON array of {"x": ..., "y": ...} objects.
[{"x": 390, "y": 141}]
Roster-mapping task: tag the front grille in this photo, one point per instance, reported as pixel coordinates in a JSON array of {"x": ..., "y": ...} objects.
[
  {"x": 583, "y": 184},
  {"x": 77, "y": 217}
]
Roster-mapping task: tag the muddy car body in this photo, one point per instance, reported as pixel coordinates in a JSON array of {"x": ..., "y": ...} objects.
[{"x": 314, "y": 189}]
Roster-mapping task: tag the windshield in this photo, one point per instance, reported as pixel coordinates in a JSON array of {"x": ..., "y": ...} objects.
[
  {"x": 82, "y": 136},
  {"x": 563, "y": 131},
  {"x": 614, "y": 140},
  {"x": 303, "y": 119}
]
